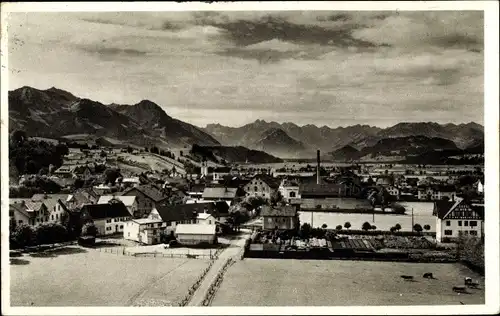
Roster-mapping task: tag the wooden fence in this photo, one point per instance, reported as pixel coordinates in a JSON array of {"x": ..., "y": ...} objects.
[
  {"x": 216, "y": 283},
  {"x": 123, "y": 252}
]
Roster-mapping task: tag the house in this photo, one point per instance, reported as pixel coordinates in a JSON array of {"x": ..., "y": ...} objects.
[
  {"x": 326, "y": 190},
  {"x": 196, "y": 234},
  {"x": 130, "y": 202},
  {"x": 220, "y": 172},
  {"x": 385, "y": 181},
  {"x": 102, "y": 189},
  {"x": 147, "y": 197},
  {"x": 55, "y": 203},
  {"x": 280, "y": 217},
  {"x": 128, "y": 182},
  {"x": 436, "y": 192},
  {"x": 144, "y": 230},
  {"x": 195, "y": 192},
  {"x": 108, "y": 218},
  {"x": 36, "y": 212},
  {"x": 455, "y": 218},
  {"x": 80, "y": 198},
  {"x": 289, "y": 189},
  {"x": 205, "y": 218},
  {"x": 73, "y": 171},
  {"x": 220, "y": 194},
  {"x": 261, "y": 185},
  {"x": 19, "y": 214}
]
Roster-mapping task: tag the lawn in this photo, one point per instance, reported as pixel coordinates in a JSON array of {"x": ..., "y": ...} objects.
[
  {"x": 81, "y": 277},
  {"x": 267, "y": 282}
]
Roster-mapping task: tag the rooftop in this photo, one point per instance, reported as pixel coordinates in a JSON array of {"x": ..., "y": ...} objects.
[
  {"x": 195, "y": 229},
  {"x": 282, "y": 211}
]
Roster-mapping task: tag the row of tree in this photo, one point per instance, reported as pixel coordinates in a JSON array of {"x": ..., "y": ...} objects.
[{"x": 23, "y": 235}]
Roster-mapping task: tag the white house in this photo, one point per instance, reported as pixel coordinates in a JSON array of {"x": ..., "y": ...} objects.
[
  {"x": 108, "y": 218},
  {"x": 261, "y": 185},
  {"x": 455, "y": 218},
  {"x": 205, "y": 218},
  {"x": 130, "y": 201},
  {"x": 195, "y": 234},
  {"x": 144, "y": 230},
  {"x": 289, "y": 189}
]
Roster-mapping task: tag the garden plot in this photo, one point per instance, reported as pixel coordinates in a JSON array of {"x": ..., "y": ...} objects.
[
  {"x": 268, "y": 282},
  {"x": 81, "y": 277}
]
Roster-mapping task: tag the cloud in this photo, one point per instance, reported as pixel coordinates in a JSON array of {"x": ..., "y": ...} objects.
[{"x": 324, "y": 67}]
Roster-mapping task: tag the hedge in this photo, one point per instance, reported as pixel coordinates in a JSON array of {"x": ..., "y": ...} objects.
[{"x": 380, "y": 232}]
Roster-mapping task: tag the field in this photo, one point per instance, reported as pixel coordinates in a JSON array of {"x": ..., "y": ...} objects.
[
  {"x": 267, "y": 282},
  {"x": 155, "y": 162},
  {"x": 422, "y": 214},
  {"x": 80, "y": 277}
]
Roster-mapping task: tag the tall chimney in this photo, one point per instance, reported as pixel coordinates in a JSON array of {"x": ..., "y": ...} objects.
[{"x": 317, "y": 167}]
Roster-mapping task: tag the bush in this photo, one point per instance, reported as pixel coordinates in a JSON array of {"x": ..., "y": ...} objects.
[
  {"x": 397, "y": 227},
  {"x": 366, "y": 226},
  {"x": 373, "y": 227},
  {"x": 427, "y": 227},
  {"x": 339, "y": 227},
  {"x": 50, "y": 234},
  {"x": 89, "y": 229},
  {"x": 24, "y": 236},
  {"x": 418, "y": 228},
  {"x": 347, "y": 225}
]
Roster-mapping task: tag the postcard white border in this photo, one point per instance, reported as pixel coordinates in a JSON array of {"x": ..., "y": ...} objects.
[{"x": 491, "y": 55}]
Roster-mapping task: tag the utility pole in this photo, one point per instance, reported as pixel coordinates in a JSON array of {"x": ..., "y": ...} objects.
[
  {"x": 312, "y": 219},
  {"x": 412, "y": 219}
]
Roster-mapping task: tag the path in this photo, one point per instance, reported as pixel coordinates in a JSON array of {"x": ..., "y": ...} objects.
[{"x": 235, "y": 247}]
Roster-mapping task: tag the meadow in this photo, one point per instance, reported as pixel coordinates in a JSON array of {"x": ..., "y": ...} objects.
[
  {"x": 278, "y": 282},
  {"x": 85, "y": 277}
]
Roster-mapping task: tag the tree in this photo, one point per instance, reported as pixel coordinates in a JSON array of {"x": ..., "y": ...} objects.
[
  {"x": 324, "y": 226},
  {"x": 347, "y": 225},
  {"x": 305, "y": 230},
  {"x": 418, "y": 228},
  {"x": 427, "y": 227},
  {"x": 393, "y": 229},
  {"x": 18, "y": 136},
  {"x": 373, "y": 227},
  {"x": 276, "y": 197},
  {"x": 366, "y": 226},
  {"x": 89, "y": 229},
  {"x": 103, "y": 154},
  {"x": 397, "y": 227},
  {"x": 111, "y": 174},
  {"x": 339, "y": 227},
  {"x": 24, "y": 236},
  {"x": 50, "y": 233}
]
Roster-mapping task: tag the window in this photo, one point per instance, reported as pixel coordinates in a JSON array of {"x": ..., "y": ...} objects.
[
  {"x": 210, "y": 222},
  {"x": 255, "y": 188},
  {"x": 448, "y": 232},
  {"x": 46, "y": 218},
  {"x": 108, "y": 220},
  {"x": 466, "y": 232},
  {"x": 20, "y": 221},
  {"x": 473, "y": 223},
  {"x": 108, "y": 228},
  {"x": 292, "y": 194},
  {"x": 52, "y": 217},
  {"x": 128, "y": 234},
  {"x": 466, "y": 223},
  {"x": 121, "y": 226},
  {"x": 473, "y": 233},
  {"x": 57, "y": 216},
  {"x": 448, "y": 223},
  {"x": 459, "y": 223},
  {"x": 154, "y": 231}
]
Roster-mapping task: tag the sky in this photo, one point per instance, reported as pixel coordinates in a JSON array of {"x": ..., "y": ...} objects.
[{"x": 334, "y": 68}]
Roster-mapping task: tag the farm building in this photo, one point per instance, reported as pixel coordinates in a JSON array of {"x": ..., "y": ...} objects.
[
  {"x": 220, "y": 194},
  {"x": 144, "y": 230},
  {"x": 455, "y": 218},
  {"x": 196, "y": 234},
  {"x": 130, "y": 202},
  {"x": 108, "y": 218},
  {"x": 281, "y": 217},
  {"x": 147, "y": 197},
  {"x": 261, "y": 185}
]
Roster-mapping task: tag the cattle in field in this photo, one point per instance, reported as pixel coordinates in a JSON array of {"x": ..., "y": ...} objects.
[
  {"x": 407, "y": 277},
  {"x": 459, "y": 289},
  {"x": 428, "y": 275}
]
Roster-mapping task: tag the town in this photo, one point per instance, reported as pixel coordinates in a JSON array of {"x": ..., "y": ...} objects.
[{"x": 96, "y": 198}]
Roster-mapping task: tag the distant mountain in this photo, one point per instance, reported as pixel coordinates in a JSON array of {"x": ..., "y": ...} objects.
[
  {"x": 312, "y": 137},
  {"x": 276, "y": 142},
  {"x": 159, "y": 124},
  {"x": 346, "y": 153},
  {"x": 55, "y": 113},
  {"x": 232, "y": 154},
  {"x": 358, "y": 136},
  {"x": 463, "y": 135}
]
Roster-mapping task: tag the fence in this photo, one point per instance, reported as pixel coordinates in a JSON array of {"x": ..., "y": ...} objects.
[
  {"x": 123, "y": 252},
  {"x": 196, "y": 285},
  {"x": 217, "y": 282}
]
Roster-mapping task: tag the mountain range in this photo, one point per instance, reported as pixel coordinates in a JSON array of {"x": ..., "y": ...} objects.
[
  {"x": 55, "y": 113},
  {"x": 306, "y": 139}
]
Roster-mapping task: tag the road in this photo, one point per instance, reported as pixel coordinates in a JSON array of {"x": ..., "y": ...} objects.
[{"x": 233, "y": 250}]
